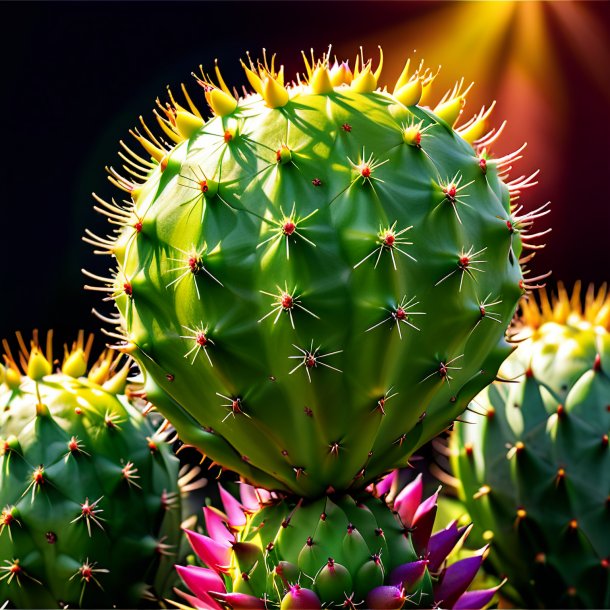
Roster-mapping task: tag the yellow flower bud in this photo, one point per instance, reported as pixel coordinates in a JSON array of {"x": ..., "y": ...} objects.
[
  {"x": 187, "y": 123},
  {"x": 409, "y": 94},
  {"x": 450, "y": 110},
  {"x": 12, "y": 378},
  {"x": 220, "y": 102},
  {"x": 75, "y": 364},
  {"x": 274, "y": 94},
  {"x": 365, "y": 82},
  {"x": 38, "y": 365},
  {"x": 320, "y": 81}
]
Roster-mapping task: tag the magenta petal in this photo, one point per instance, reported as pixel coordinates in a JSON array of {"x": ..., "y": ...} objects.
[
  {"x": 425, "y": 507},
  {"x": 199, "y": 604},
  {"x": 475, "y": 600},
  {"x": 408, "y": 500},
  {"x": 422, "y": 524},
  {"x": 249, "y": 499},
  {"x": 215, "y": 555},
  {"x": 456, "y": 578},
  {"x": 442, "y": 543},
  {"x": 385, "y": 598},
  {"x": 201, "y": 581},
  {"x": 239, "y": 601},
  {"x": 263, "y": 495},
  {"x": 384, "y": 486},
  {"x": 233, "y": 508},
  {"x": 408, "y": 575},
  {"x": 420, "y": 534},
  {"x": 215, "y": 526}
]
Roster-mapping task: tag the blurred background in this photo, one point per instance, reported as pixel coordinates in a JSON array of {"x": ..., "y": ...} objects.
[{"x": 77, "y": 75}]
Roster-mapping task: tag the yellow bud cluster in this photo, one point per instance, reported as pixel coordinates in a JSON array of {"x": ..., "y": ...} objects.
[
  {"x": 36, "y": 363},
  {"x": 563, "y": 308},
  {"x": 178, "y": 123}
]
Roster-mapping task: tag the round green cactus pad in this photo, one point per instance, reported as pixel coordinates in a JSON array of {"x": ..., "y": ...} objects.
[{"x": 317, "y": 279}]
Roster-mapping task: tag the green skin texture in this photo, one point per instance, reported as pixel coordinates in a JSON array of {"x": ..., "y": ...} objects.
[
  {"x": 351, "y": 552},
  {"x": 282, "y": 438},
  {"x": 562, "y": 360},
  {"x": 134, "y": 519}
]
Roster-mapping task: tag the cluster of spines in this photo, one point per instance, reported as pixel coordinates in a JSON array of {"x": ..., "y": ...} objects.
[
  {"x": 562, "y": 307},
  {"x": 180, "y": 124}
]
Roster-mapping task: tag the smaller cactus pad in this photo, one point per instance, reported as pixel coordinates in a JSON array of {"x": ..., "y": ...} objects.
[
  {"x": 535, "y": 470},
  {"x": 89, "y": 498},
  {"x": 334, "y": 552}
]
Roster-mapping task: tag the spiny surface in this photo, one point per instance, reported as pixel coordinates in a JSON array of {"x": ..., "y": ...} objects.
[
  {"x": 88, "y": 490},
  {"x": 315, "y": 283},
  {"x": 334, "y": 552},
  {"x": 535, "y": 471}
]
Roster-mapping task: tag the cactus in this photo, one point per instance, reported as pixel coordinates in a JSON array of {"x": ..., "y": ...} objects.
[
  {"x": 535, "y": 470},
  {"x": 88, "y": 488},
  {"x": 317, "y": 280},
  {"x": 337, "y": 551}
]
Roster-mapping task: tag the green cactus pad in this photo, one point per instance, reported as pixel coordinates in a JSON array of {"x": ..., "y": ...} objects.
[
  {"x": 317, "y": 280},
  {"x": 88, "y": 490},
  {"x": 535, "y": 472}
]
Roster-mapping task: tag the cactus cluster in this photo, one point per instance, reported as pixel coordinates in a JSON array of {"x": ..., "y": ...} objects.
[
  {"x": 89, "y": 498},
  {"x": 336, "y": 551},
  {"x": 317, "y": 280},
  {"x": 534, "y": 471}
]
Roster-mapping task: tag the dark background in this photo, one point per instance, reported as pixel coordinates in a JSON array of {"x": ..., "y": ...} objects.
[{"x": 76, "y": 76}]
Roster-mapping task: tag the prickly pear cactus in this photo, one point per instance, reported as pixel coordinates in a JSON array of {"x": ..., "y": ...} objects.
[
  {"x": 88, "y": 490},
  {"x": 332, "y": 552},
  {"x": 318, "y": 279},
  {"x": 535, "y": 470}
]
